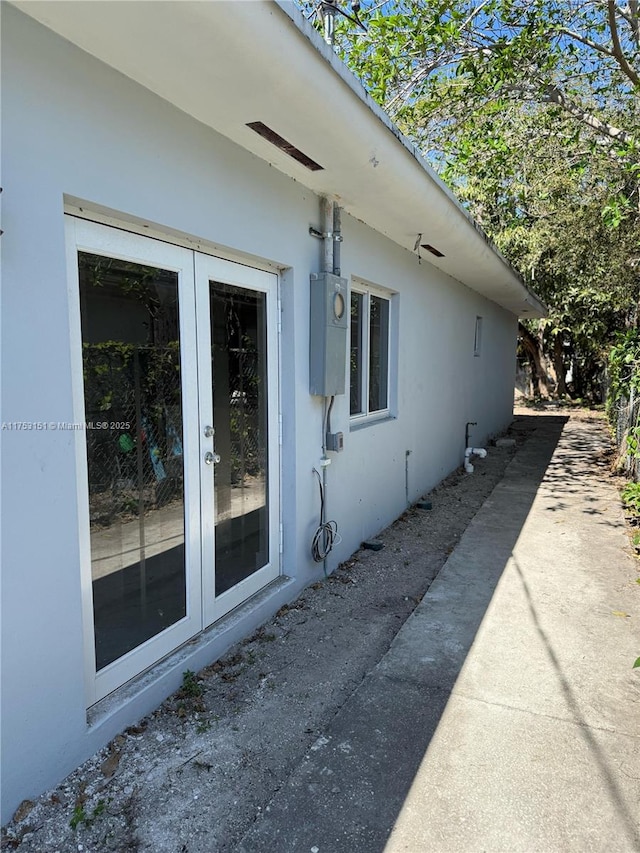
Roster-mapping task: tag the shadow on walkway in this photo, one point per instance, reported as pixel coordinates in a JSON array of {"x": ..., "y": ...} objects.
[
  {"x": 605, "y": 771},
  {"x": 348, "y": 793}
]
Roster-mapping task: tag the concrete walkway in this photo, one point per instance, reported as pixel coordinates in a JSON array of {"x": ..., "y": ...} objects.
[{"x": 505, "y": 716}]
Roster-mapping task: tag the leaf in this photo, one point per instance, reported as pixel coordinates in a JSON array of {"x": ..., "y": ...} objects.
[
  {"x": 636, "y": 664},
  {"x": 110, "y": 764},
  {"x": 23, "y": 810},
  {"x": 620, "y": 613}
]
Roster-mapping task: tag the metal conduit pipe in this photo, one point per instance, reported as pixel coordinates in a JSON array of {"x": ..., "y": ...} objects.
[
  {"x": 327, "y": 231},
  {"x": 328, "y": 8},
  {"x": 467, "y": 431},
  {"x": 327, "y": 266},
  {"x": 337, "y": 239}
]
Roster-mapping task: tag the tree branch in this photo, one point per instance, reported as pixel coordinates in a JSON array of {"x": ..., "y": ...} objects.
[
  {"x": 630, "y": 15},
  {"x": 408, "y": 87},
  {"x": 424, "y": 70},
  {"x": 476, "y": 11},
  {"x": 594, "y": 45},
  {"x": 634, "y": 23},
  {"x": 617, "y": 48},
  {"x": 441, "y": 61},
  {"x": 553, "y": 95}
]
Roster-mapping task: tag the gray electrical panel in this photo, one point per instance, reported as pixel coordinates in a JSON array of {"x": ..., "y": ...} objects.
[{"x": 328, "y": 338}]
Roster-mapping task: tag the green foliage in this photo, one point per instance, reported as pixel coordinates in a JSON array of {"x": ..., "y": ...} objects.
[
  {"x": 566, "y": 56},
  {"x": 191, "y": 686},
  {"x": 190, "y": 696},
  {"x": 79, "y": 816},
  {"x": 529, "y": 110},
  {"x": 633, "y": 442},
  {"x": 630, "y": 494},
  {"x": 624, "y": 364}
]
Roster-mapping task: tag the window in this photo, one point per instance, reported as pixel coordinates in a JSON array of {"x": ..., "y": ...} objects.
[
  {"x": 369, "y": 366},
  {"x": 477, "y": 340}
]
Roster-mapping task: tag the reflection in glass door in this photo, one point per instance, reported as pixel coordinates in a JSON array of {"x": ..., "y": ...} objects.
[
  {"x": 240, "y": 389},
  {"x": 133, "y": 408}
]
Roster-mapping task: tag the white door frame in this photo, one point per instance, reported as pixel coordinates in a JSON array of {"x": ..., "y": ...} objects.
[
  {"x": 208, "y": 268},
  {"x": 194, "y": 271}
]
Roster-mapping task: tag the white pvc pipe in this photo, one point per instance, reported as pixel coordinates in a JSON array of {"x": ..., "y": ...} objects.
[{"x": 472, "y": 451}]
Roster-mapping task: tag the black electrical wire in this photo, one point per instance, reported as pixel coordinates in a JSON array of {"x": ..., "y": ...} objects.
[
  {"x": 326, "y": 535},
  {"x": 327, "y": 427},
  {"x": 331, "y": 4}
]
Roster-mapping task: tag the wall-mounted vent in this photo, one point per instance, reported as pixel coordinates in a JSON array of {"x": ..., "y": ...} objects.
[
  {"x": 433, "y": 250},
  {"x": 275, "y": 139}
]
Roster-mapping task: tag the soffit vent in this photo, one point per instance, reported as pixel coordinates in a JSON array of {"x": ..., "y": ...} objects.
[
  {"x": 275, "y": 139},
  {"x": 433, "y": 250}
]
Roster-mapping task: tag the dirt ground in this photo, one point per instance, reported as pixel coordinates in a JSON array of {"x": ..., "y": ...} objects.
[{"x": 193, "y": 776}]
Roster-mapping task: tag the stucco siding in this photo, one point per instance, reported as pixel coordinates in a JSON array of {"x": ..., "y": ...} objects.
[{"x": 74, "y": 129}]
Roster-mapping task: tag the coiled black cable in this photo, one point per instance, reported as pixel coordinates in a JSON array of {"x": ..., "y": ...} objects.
[{"x": 326, "y": 536}]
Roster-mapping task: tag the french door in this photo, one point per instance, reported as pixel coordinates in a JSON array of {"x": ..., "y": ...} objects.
[{"x": 177, "y": 390}]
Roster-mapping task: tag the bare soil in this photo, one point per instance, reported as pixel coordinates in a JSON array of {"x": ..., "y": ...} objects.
[{"x": 193, "y": 776}]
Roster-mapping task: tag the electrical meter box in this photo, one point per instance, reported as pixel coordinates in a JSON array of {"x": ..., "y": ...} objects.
[{"x": 328, "y": 334}]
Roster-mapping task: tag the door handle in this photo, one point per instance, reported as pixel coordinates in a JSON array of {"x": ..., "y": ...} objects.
[
  {"x": 208, "y": 432},
  {"x": 211, "y": 458}
]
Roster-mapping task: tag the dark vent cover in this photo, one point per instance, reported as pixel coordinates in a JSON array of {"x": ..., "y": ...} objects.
[
  {"x": 275, "y": 139},
  {"x": 433, "y": 251}
]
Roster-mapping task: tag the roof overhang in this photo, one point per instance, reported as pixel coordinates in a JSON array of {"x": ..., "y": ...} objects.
[{"x": 236, "y": 62}]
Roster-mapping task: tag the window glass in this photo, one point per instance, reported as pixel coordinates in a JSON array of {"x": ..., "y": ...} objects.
[
  {"x": 378, "y": 353},
  {"x": 357, "y": 300},
  {"x": 369, "y": 367},
  {"x": 477, "y": 342},
  {"x": 239, "y": 374}
]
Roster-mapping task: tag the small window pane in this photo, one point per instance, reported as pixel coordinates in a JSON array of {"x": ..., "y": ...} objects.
[
  {"x": 477, "y": 342},
  {"x": 357, "y": 302},
  {"x": 378, "y": 353}
]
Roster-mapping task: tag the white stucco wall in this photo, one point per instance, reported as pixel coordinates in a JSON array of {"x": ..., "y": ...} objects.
[{"x": 72, "y": 127}]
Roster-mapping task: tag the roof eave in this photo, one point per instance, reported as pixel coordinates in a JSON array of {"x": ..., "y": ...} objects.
[{"x": 185, "y": 51}]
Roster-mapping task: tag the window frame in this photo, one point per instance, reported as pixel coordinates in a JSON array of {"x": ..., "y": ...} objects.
[
  {"x": 477, "y": 338},
  {"x": 366, "y": 292}
]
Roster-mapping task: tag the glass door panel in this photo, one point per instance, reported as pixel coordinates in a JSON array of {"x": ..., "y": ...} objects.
[
  {"x": 133, "y": 409},
  {"x": 240, "y": 393},
  {"x": 238, "y": 381}
]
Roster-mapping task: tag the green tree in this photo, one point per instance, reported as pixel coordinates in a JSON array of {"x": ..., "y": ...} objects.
[
  {"x": 542, "y": 198},
  {"x": 529, "y": 110},
  {"x": 579, "y": 57}
]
